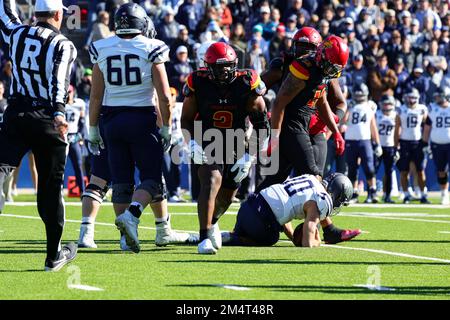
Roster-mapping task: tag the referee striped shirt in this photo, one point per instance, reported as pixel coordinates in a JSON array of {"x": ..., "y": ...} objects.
[{"x": 42, "y": 59}]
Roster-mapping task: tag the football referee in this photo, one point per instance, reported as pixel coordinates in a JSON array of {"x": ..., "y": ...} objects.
[{"x": 42, "y": 59}]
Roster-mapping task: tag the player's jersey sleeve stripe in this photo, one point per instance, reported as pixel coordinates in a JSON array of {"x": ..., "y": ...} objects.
[
  {"x": 161, "y": 55},
  {"x": 150, "y": 56},
  {"x": 190, "y": 82},
  {"x": 93, "y": 53},
  {"x": 299, "y": 71}
]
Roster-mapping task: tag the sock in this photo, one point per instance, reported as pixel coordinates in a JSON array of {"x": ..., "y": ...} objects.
[
  {"x": 136, "y": 209},
  {"x": 203, "y": 234},
  {"x": 330, "y": 229},
  {"x": 87, "y": 220},
  {"x": 214, "y": 220},
  {"x": 161, "y": 220}
]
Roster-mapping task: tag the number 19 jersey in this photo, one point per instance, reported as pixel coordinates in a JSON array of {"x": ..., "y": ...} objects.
[
  {"x": 411, "y": 122},
  {"x": 287, "y": 199},
  {"x": 126, "y": 65}
]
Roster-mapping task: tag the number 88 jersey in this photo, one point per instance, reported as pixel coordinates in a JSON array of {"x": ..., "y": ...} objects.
[
  {"x": 411, "y": 121},
  {"x": 439, "y": 119},
  {"x": 126, "y": 65}
]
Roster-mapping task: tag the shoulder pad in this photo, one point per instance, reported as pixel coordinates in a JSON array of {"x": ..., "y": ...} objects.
[
  {"x": 300, "y": 68},
  {"x": 277, "y": 63}
]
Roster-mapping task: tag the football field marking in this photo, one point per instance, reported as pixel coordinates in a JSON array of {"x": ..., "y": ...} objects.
[
  {"x": 446, "y": 232},
  {"x": 391, "y": 253},
  {"x": 231, "y": 287},
  {"x": 373, "y": 287},
  {"x": 374, "y": 216},
  {"x": 84, "y": 287}
]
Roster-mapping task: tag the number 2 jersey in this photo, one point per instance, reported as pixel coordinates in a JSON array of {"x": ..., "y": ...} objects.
[
  {"x": 411, "y": 122},
  {"x": 358, "y": 123},
  {"x": 287, "y": 199},
  {"x": 126, "y": 65},
  {"x": 439, "y": 119},
  {"x": 223, "y": 107}
]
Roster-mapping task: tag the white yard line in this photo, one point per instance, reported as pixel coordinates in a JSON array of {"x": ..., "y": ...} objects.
[
  {"x": 398, "y": 214},
  {"x": 79, "y": 221},
  {"x": 373, "y": 287},
  {"x": 84, "y": 287},
  {"x": 390, "y": 253},
  {"x": 231, "y": 287},
  {"x": 446, "y": 232},
  {"x": 382, "y": 205},
  {"x": 391, "y": 218}
]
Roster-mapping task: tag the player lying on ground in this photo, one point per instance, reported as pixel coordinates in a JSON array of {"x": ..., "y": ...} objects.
[{"x": 264, "y": 215}]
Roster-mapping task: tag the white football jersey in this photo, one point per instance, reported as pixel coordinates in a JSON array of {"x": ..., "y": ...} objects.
[
  {"x": 73, "y": 113},
  {"x": 411, "y": 121},
  {"x": 177, "y": 134},
  {"x": 386, "y": 126},
  {"x": 440, "y": 125},
  {"x": 126, "y": 65},
  {"x": 358, "y": 123},
  {"x": 287, "y": 199}
]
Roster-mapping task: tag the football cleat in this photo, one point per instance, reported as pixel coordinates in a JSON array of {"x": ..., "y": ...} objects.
[
  {"x": 407, "y": 199},
  {"x": 128, "y": 225},
  {"x": 165, "y": 235},
  {"x": 86, "y": 239},
  {"x": 445, "y": 199},
  {"x": 388, "y": 200},
  {"x": 66, "y": 255},
  {"x": 206, "y": 247},
  {"x": 215, "y": 236},
  {"x": 344, "y": 235},
  {"x": 424, "y": 200},
  {"x": 226, "y": 237},
  {"x": 123, "y": 244}
]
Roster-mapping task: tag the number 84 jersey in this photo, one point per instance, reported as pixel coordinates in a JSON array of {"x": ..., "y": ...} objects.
[
  {"x": 126, "y": 65},
  {"x": 287, "y": 199}
]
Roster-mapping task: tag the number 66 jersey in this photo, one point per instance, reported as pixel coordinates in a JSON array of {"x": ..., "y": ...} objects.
[
  {"x": 287, "y": 199},
  {"x": 126, "y": 65}
]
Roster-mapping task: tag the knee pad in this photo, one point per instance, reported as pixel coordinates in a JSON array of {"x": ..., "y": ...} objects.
[
  {"x": 95, "y": 192},
  {"x": 156, "y": 189},
  {"x": 443, "y": 180},
  {"x": 122, "y": 192}
]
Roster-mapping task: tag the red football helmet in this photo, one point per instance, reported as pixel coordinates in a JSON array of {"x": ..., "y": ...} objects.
[
  {"x": 332, "y": 56},
  {"x": 305, "y": 41},
  {"x": 221, "y": 61}
]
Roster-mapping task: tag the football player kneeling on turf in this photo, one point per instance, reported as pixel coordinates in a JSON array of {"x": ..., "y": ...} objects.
[{"x": 264, "y": 215}]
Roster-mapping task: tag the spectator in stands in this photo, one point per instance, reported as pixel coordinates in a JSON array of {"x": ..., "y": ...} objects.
[
  {"x": 394, "y": 46},
  {"x": 226, "y": 19},
  {"x": 6, "y": 76},
  {"x": 189, "y": 14},
  {"x": 372, "y": 51},
  {"x": 155, "y": 9},
  {"x": 84, "y": 88},
  {"x": 354, "y": 45},
  {"x": 363, "y": 24},
  {"x": 357, "y": 73},
  {"x": 182, "y": 40},
  {"x": 324, "y": 28},
  {"x": 402, "y": 76},
  {"x": 276, "y": 41},
  {"x": 296, "y": 8},
  {"x": 179, "y": 69},
  {"x": 237, "y": 38},
  {"x": 100, "y": 29},
  {"x": 240, "y": 11},
  {"x": 257, "y": 32},
  {"x": 433, "y": 76},
  {"x": 382, "y": 80},
  {"x": 405, "y": 23},
  {"x": 167, "y": 29},
  {"x": 417, "y": 80},
  {"x": 255, "y": 57},
  {"x": 426, "y": 12},
  {"x": 266, "y": 23},
  {"x": 433, "y": 56},
  {"x": 390, "y": 21},
  {"x": 409, "y": 57},
  {"x": 291, "y": 26}
]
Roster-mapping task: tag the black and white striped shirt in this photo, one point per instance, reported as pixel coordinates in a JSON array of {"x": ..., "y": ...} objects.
[{"x": 42, "y": 59}]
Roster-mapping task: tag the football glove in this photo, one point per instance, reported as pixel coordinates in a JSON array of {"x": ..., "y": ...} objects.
[
  {"x": 339, "y": 143},
  {"x": 197, "y": 153},
  {"x": 242, "y": 166},
  {"x": 396, "y": 156},
  {"x": 95, "y": 141},
  {"x": 426, "y": 149},
  {"x": 166, "y": 135},
  {"x": 378, "y": 150}
]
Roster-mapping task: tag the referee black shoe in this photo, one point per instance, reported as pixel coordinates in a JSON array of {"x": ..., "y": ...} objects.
[{"x": 67, "y": 254}]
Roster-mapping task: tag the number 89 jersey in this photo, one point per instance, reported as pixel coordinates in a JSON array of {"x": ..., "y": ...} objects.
[
  {"x": 287, "y": 199},
  {"x": 439, "y": 119},
  {"x": 411, "y": 122},
  {"x": 126, "y": 65}
]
